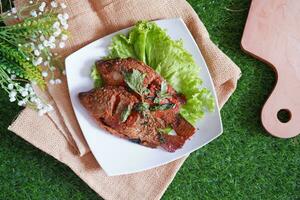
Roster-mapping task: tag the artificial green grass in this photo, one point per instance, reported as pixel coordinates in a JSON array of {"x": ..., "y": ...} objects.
[{"x": 244, "y": 163}]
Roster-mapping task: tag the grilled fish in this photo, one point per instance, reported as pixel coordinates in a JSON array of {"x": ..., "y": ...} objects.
[{"x": 137, "y": 104}]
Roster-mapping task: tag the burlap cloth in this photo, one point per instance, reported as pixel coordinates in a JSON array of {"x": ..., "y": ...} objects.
[{"x": 58, "y": 133}]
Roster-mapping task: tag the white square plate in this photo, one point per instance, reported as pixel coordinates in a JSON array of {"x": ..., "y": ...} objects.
[{"x": 118, "y": 156}]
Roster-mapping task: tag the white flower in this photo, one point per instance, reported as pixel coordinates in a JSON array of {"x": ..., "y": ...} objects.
[
  {"x": 21, "y": 103},
  {"x": 66, "y": 26},
  {"x": 39, "y": 104},
  {"x": 40, "y": 47},
  {"x": 38, "y": 61},
  {"x": 24, "y": 93},
  {"x": 57, "y": 32},
  {"x": 56, "y": 25},
  {"x": 57, "y": 81},
  {"x": 40, "y": 13},
  {"x": 33, "y": 99},
  {"x": 52, "y": 45},
  {"x": 37, "y": 100},
  {"x": 44, "y": 74},
  {"x": 53, "y": 4},
  {"x": 31, "y": 2},
  {"x": 46, "y": 63},
  {"x": 63, "y": 5},
  {"x": 66, "y": 16},
  {"x": 64, "y": 37},
  {"x": 63, "y": 22},
  {"x": 14, "y": 10},
  {"x": 10, "y": 86},
  {"x": 41, "y": 9},
  {"x": 49, "y": 108},
  {"x": 31, "y": 91},
  {"x": 12, "y": 99},
  {"x": 51, "y": 39},
  {"x": 32, "y": 46},
  {"x": 62, "y": 44},
  {"x": 45, "y": 43},
  {"x": 42, "y": 6},
  {"x": 27, "y": 86},
  {"x": 9, "y": 14},
  {"x": 60, "y": 16},
  {"x": 52, "y": 82},
  {"x": 64, "y": 72},
  {"x": 36, "y": 52},
  {"x": 12, "y": 93},
  {"x": 13, "y": 76},
  {"x": 33, "y": 13},
  {"x": 42, "y": 38}
]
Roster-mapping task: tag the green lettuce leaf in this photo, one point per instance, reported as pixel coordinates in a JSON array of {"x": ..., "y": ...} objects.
[
  {"x": 151, "y": 44},
  {"x": 96, "y": 77}
]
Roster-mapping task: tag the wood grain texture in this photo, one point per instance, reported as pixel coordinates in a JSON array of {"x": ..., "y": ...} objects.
[{"x": 272, "y": 34}]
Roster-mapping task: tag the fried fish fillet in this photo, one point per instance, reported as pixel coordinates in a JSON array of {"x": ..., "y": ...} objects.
[{"x": 110, "y": 103}]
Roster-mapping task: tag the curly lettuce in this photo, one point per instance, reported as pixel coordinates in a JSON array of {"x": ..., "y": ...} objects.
[{"x": 151, "y": 44}]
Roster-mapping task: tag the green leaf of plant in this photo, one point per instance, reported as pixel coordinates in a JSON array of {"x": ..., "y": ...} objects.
[
  {"x": 165, "y": 130},
  {"x": 96, "y": 77},
  {"x": 125, "y": 114},
  {"x": 163, "y": 93},
  {"x": 135, "y": 80},
  {"x": 166, "y": 106},
  {"x": 142, "y": 106}
]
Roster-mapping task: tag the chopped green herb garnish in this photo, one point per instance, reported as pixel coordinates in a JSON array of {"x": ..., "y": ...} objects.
[
  {"x": 166, "y": 106},
  {"x": 135, "y": 80},
  {"x": 142, "y": 106},
  {"x": 125, "y": 114},
  {"x": 165, "y": 130},
  {"x": 163, "y": 93}
]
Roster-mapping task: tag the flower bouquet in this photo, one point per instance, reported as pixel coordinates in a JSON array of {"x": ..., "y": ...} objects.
[{"x": 27, "y": 37}]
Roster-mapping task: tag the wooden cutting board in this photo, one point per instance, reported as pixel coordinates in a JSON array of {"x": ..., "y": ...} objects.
[{"x": 272, "y": 34}]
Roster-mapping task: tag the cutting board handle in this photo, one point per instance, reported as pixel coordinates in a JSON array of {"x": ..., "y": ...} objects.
[{"x": 282, "y": 101}]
